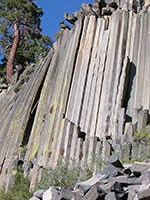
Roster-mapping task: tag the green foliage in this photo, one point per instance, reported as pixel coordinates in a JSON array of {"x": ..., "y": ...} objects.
[
  {"x": 143, "y": 134},
  {"x": 61, "y": 175},
  {"x": 58, "y": 34},
  {"x": 23, "y": 78},
  {"x": 32, "y": 42},
  {"x": 132, "y": 160},
  {"x": 66, "y": 173},
  {"x": 19, "y": 190}
]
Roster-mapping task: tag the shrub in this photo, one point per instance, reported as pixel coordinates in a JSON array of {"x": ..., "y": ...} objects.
[
  {"x": 19, "y": 190},
  {"x": 65, "y": 174},
  {"x": 143, "y": 134},
  {"x": 58, "y": 34}
]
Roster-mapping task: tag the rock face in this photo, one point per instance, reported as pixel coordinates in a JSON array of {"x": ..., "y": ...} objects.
[{"x": 86, "y": 98}]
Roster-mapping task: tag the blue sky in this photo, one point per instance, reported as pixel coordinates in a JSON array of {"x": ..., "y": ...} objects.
[{"x": 54, "y": 12}]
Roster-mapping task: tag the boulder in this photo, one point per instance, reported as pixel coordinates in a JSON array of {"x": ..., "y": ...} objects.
[
  {"x": 52, "y": 194},
  {"x": 139, "y": 167}
]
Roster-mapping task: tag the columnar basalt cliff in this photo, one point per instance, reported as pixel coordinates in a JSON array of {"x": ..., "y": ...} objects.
[{"x": 86, "y": 98}]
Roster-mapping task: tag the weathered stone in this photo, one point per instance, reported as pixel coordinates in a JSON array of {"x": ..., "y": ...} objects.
[
  {"x": 123, "y": 196},
  {"x": 114, "y": 160},
  {"x": 96, "y": 81},
  {"x": 91, "y": 194},
  {"x": 117, "y": 188},
  {"x": 111, "y": 195},
  {"x": 124, "y": 179},
  {"x": 64, "y": 26},
  {"x": 52, "y": 194},
  {"x": 78, "y": 194},
  {"x": 34, "y": 198},
  {"x": 66, "y": 194},
  {"x": 132, "y": 191},
  {"x": 111, "y": 171},
  {"x": 144, "y": 194},
  {"x": 138, "y": 167},
  {"x": 39, "y": 194},
  {"x": 85, "y": 185},
  {"x": 87, "y": 9},
  {"x": 127, "y": 171},
  {"x": 70, "y": 18},
  {"x": 142, "y": 119},
  {"x": 136, "y": 197}
]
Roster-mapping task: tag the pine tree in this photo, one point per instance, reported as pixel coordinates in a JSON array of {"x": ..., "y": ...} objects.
[{"x": 20, "y": 33}]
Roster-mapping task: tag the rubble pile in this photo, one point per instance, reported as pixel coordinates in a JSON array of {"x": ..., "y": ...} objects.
[{"x": 114, "y": 182}]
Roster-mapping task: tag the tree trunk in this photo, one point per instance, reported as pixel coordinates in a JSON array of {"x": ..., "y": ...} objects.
[{"x": 11, "y": 58}]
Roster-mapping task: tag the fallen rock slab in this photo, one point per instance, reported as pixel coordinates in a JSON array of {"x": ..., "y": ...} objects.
[
  {"x": 91, "y": 194},
  {"x": 86, "y": 185}
]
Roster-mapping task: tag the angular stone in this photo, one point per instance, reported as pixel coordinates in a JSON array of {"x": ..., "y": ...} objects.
[
  {"x": 39, "y": 194},
  {"x": 85, "y": 185},
  {"x": 132, "y": 193},
  {"x": 34, "y": 198},
  {"x": 125, "y": 151},
  {"x": 106, "y": 187},
  {"x": 127, "y": 171},
  {"x": 117, "y": 188},
  {"x": 111, "y": 196},
  {"x": 111, "y": 171},
  {"x": 123, "y": 196},
  {"x": 106, "y": 150},
  {"x": 91, "y": 194},
  {"x": 66, "y": 194},
  {"x": 78, "y": 194},
  {"x": 140, "y": 167},
  {"x": 142, "y": 119},
  {"x": 144, "y": 194},
  {"x": 124, "y": 179},
  {"x": 52, "y": 194},
  {"x": 114, "y": 160}
]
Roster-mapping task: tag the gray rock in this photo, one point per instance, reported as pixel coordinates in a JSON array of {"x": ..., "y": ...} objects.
[
  {"x": 66, "y": 194},
  {"x": 87, "y": 9},
  {"x": 106, "y": 10},
  {"x": 144, "y": 194},
  {"x": 117, "y": 188},
  {"x": 39, "y": 194},
  {"x": 123, "y": 196},
  {"x": 70, "y": 18},
  {"x": 111, "y": 171},
  {"x": 34, "y": 198},
  {"x": 78, "y": 194},
  {"x": 111, "y": 196},
  {"x": 138, "y": 168},
  {"x": 132, "y": 191},
  {"x": 86, "y": 185},
  {"x": 114, "y": 160},
  {"x": 64, "y": 26},
  {"x": 52, "y": 194},
  {"x": 91, "y": 194},
  {"x": 142, "y": 119}
]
